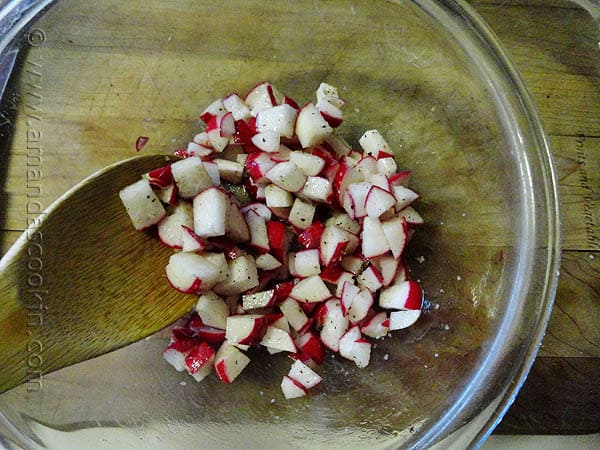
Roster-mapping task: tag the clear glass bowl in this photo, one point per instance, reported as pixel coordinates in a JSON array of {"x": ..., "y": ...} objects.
[{"x": 87, "y": 78}]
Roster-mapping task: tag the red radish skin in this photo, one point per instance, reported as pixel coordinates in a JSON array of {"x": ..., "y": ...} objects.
[{"x": 140, "y": 142}]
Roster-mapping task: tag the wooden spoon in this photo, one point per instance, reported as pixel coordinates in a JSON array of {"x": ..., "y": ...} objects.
[{"x": 81, "y": 281}]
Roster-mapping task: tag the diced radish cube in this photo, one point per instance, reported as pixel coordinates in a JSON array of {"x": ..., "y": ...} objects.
[
  {"x": 193, "y": 273},
  {"x": 404, "y": 295},
  {"x": 329, "y": 93},
  {"x": 331, "y": 113},
  {"x": 366, "y": 167},
  {"x": 262, "y": 96},
  {"x": 212, "y": 169},
  {"x": 230, "y": 171},
  {"x": 258, "y": 208},
  {"x": 229, "y": 362},
  {"x": 404, "y": 197},
  {"x": 376, "y": 326},
  {"x": 310, "y": 348},
  {"x": 200, "y": 360},
  {"x": 395, "y": 231},
  {"x": 294, "y": 314},
  {"x": 370, "y": 278},
  {"x": 210, "y": 334},
  {"x": 170, "y": 231},
  {"x": 305, "y": 263},
  {"x": 353, "y": 263},
  {"x": 388, "y": 268},
  {"x": 190, "y": 176},
  {"x": 278, "y": 339},
  {"x": 258, "y": 300},
  {"x": 345, "y": 222},
  {"x": 267, "y": 141},
  {"x": 400, "y": 178},
  {"x": 212, "y": 310},
  {"x": 403, "y": 319},
  {"x": 349, "y": 293},
  {"x": 387, "y": 166},
  {"x": 176, "y": 352},
  {"x": 259, "y": 239},
  {"x": 216, "y": 108},
  {"x": 335, "y": 242},
  {"x": 372, "y": 242},
  {"x": 191, "y": 242},
  {"x": 358, "y": 193},
  {"x": 258, "y": 165},
  {"x": 378, "y": 201},
  {"x": 142, "y": 205},
  {"x": 279, "y": 239},
  {"x": 353, "y": 347},
  {"x": 242, "y": 275},
  {"x": 287, "y": 176},
  {"x": 267, "y": 262},
  {"x": 291, "y": 388},
  {"x": 245, "y": 329},
  {"x": 311, "y": 236},
  {"x": 344, "y": 277},
  {"x": 161, "y": 177},
  {"x": 302, "y": 214},
  {"x": 238, "y": 107},
  {"x": 311, "y": 165},
  {"x": 412, "y": 216},
  {"x": 277, "y": 197},
  {"x": 304, "y": 375},
  {"x": 335, "y": 324},
  {"x": 317, "y": 189},
  {"x": 310, "y": 290},
  {"x": 279, "y": 119},
  {"x": 372, "y": 142},
  {"x": 360, "y": 306},
  {"x": 210, "y": 212},
  {"x": 236, "y": 227},
  {"x": 311, "y": 127},
  {"x": 380, "y": 180}
]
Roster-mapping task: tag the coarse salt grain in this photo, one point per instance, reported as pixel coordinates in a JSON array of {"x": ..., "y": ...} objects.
[{"x": 386, "y": 357}]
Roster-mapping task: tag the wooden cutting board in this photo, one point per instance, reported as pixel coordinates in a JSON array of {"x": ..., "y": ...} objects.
[{"x": 555, "y": 47}]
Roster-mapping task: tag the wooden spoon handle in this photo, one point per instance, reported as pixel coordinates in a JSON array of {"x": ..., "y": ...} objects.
[{"x": 82, "y": 281}]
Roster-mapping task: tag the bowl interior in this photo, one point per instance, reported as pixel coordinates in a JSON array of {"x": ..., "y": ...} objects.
[{"x": 106, "y": 72}]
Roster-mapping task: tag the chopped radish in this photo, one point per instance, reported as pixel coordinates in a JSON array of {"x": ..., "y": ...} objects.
[
  {"x": 311, "y": 127},
  {"x": 305, "y": 263},
  {"x": 267, "y": 141},
  {"x": 190, "y": 177},
  {"x": 372, "y": 242},
  {"x": 353, "y": 347},
  {"x": 377, "y": 326},
  {"x": 279, "y": 119},
  {"x": 193, "y": 273},
  {"x": 287, "y": 175},
  {"x": 241, "y": 276},
  {"x": 403, "y": 319},
  {"x": 257, "y": 300},
  {"x": 278, "y": 339},
  {"x": 212, "y": 310},
  {"x": 335, "y": 324},
  {"x": 210, "y": 212},
  {"x": 301, "y": 214},
  {"x": 230, "y": 171},
  {"x": 395, "y": 231},
  {"x": 245, "y": 329},
  {"x": 309, "y": 265},
  {"x": 310, "y": 290},
  {"x": 304, "y": 375},
  {"x": 200, "y": 360},
  {"x": 372, "y": 142},
  {"x": 317, "y": 189},
  {"x": 142, "y": 205},
  {"x": 277, "y": 197},
  {"x": 238, "y": 107},
  {"x": 404, "y": 295},
  {"x": 229, "y": 362},
  {"x": 294, "y": 314},
  {"x": 291, "y": 388},
  {"x": 267, "y": 261},
  {"x": 311, "y": 165}
]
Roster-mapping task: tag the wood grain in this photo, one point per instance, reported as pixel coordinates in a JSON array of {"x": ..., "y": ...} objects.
[{"x": 84, "y": 267}]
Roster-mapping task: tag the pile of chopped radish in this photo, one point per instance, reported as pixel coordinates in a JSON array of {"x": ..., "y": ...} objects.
[{"x": 313, "y": 263}]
